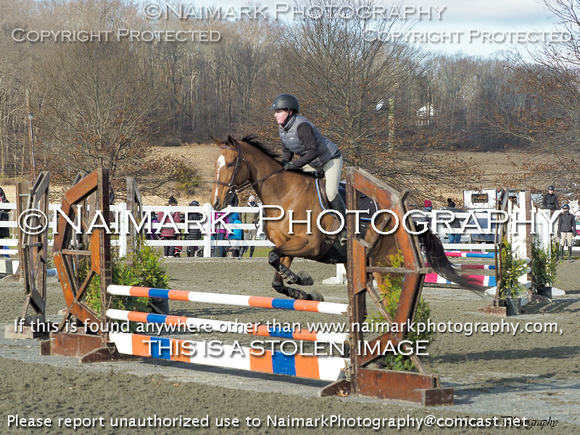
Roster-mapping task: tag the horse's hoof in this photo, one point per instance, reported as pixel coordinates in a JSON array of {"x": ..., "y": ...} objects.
[
  {"x": 315, "y": 296},
  {"x": 305, "y": 279},
  {"x": 297, "y": 294}
]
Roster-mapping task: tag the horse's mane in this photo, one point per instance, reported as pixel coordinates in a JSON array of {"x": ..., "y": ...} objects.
[{"x": 252, "y": 140}]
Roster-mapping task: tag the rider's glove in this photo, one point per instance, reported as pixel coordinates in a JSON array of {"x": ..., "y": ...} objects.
[{"x": 289, "y": 166}]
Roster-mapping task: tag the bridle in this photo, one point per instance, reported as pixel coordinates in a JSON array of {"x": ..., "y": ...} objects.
[{"x": 234, "y": 188}]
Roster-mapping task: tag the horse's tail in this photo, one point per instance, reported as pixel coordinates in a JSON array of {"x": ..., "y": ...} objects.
[{"x": 437, "y": 259}]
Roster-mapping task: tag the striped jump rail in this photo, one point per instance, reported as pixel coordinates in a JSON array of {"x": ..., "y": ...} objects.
[
  {"x": 226, "y": 299},
  {"x": 475, "y": 266},
  {"x": 208, "y": 325},
  {"x": 467, "y": 254},
  {"x": 486, "y": 281},
  {"x": 326, "y": 368},
  {"x": 471, "y": 266}
]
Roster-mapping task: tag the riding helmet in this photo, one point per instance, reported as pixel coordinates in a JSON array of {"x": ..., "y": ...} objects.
[
  {"x": 286, "y": 102},
  {"x": 565, "y": 207}
]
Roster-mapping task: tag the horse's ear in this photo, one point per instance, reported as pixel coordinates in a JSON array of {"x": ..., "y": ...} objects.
[
  {"x": 217, "y": 141},
  {"x": 234, "y": 143}
]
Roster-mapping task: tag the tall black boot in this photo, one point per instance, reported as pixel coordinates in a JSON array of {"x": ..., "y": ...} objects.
[
  {"x": 338, "y": 204},
  {"x": 561, "y": 253},
  {"x": 569, "y": 252}
]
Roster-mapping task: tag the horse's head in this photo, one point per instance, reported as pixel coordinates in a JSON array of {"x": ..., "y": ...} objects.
[{"x": 231, "y": 172}]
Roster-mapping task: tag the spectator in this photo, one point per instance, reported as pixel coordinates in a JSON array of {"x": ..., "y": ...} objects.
[
  {"x": 455, "y": 224},
  {"x": 168, "y": 232},
  {"x": 153, "y": 235},
  {"x": 219, "y": 234},
  {"x": 4, "y": 216},
  {"x": 566, "y": 230},
  {"x": 427, "y": 208},
  {"x": 111, "y": 195},
  {"x": 112, "y": 215},
  {"x": 550, "y": 200},
  {"x": 194, "y": 233},
  {"x": 250, "y": 218},
  {"x": 237, "y": 234}
]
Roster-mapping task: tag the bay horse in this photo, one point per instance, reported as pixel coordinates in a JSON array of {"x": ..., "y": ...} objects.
[{"x": 247, "y": 162}]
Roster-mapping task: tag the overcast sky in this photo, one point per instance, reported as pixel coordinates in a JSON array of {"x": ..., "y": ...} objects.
[
  {"x": 469, "y": 19},
  {"x": 474, "y": 17}
]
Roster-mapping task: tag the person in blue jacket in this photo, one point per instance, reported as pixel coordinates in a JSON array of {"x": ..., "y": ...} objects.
[{"x": 236, "y": 234}]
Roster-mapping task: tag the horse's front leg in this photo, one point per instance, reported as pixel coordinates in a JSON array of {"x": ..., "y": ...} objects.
[
  {"x": 291, "y": 292},
  {"x": 280, "y": 258},
  {"x": 282, "y": 266}
]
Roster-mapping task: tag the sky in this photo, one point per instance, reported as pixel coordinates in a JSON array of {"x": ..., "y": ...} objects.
[
  {"x": 474, "y": 27},
  {"x": 496, "y": 17}
]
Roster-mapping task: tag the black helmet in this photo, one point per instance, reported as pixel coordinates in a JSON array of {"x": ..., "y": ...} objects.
[
  {"x": 565, "y": 207},
  {"x": 286, "y": 102},
  {"x": 550, "y": 187},
  {"x": 194, "y": 204}
]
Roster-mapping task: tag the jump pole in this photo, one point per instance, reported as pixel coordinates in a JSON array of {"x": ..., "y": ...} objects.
[
  {"x": 225, "y": 299},
  {"x": 484, "y": 280},
  {"x": 467, "y": 254},
  {"x": 475, "y": 266}
]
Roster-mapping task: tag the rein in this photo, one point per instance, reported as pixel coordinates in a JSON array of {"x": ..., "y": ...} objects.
[{"x": 234, "y": 188}]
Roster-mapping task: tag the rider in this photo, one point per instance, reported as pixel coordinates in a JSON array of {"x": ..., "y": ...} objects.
[{"x": 300, "y": 136}]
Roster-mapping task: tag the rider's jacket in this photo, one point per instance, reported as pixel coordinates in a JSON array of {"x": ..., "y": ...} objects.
[{"x": 325, "y": 148}]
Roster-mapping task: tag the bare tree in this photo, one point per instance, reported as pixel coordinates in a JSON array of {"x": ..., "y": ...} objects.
[
  {"x": 15, "y": 75},
  {"x": 545, "y": 88},
  {"x": 97, "y": 99},
  {"x": 341, "y": 71}
]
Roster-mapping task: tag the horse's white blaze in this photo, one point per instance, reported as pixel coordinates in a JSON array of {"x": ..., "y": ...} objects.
[{"x": 221, "y": 162}]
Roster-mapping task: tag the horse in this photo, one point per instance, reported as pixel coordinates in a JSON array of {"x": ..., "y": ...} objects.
[{"x": 249, "y": 163}]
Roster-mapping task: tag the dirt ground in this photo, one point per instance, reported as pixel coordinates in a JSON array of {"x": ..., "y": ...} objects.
[{"x": 532, "y": 376}]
